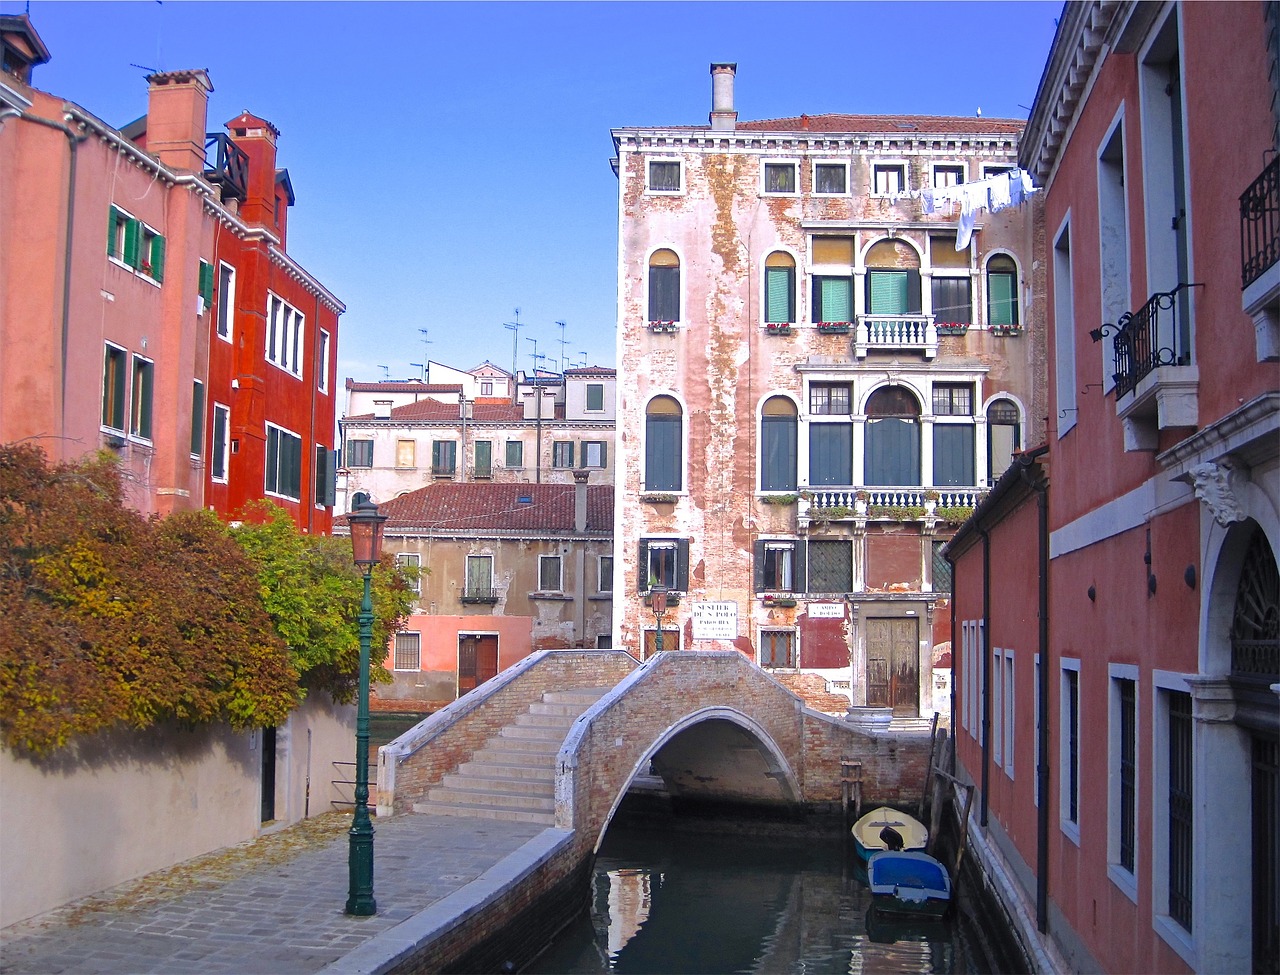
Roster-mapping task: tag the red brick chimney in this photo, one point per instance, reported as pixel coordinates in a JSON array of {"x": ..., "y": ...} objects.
[
  {"x": 257, "y": 137},
  {"x": 177, "y": 109}
]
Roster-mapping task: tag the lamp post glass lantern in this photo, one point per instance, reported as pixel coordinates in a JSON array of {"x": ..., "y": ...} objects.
[
  {"x": 659, "y": 598},
  {"x": 366, "y": 548}
]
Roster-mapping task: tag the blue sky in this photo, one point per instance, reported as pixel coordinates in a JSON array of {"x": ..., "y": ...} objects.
[{"x": 451, "y": 160}]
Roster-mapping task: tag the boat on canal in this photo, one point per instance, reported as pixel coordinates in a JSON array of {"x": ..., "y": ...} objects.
[
  {"x": 907, "y": 882},
  {"x": 885, "y": 828}
]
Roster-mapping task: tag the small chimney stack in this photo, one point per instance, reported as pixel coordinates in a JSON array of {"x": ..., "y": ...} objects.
[
  {"x": 257, "y": 137},
  {"x": 177, "y": 110},
  {"x": 580, "y": 500},
  {"x": 723, "y": 116}
]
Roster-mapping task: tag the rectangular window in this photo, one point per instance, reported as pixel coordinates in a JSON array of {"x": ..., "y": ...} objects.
[
  {"x": 664, "y": 293},
  {"x": 1124, "y": 771},
  {"x": 1064, "y": 332},
  {"x": 443, "y": 458},
  {"x": 197, "y": 418},
  {"x": 605, "y": 574},
  {"x": 284, "y": 463},
  {"x": 406, "y": 453},
  {"x": 595, "y": 397},
  {"x": 830, "y": 178},
  {"x": 594, "y": 453},
  {"x": 780, "y": 177},
  {"x": 205, "y": 283},
  {"x": 1010, "y": 713},
  {"x": 1180, "y": 807},
  {"x": 140, "y": 398},
  {"x": 889, "y": 293},
  {"x": 515, "y": 455},
  {"x": 359, "y": 453},
  {"x": 664, "y": 175},
  {"x": 890, "y": 179},
  {"x": 122, "y": 232},
  {"x": 830, "y": 566},
  {"x": 830, "y": 454},
  {"x": 777, "y": 648},
  {"x": 779, "y": 294},
  {"x": 664, "y": 561},
  {"x": 1002, "y": 298},
  {"x": 990, "y": 171},
  {"x": 326, "y": 476},
  {"x": 830, "y": 399},
  {"x": 832, "y": 299},
  {"x": 150, "y": 253},
  {"x": 997, "y": 705},
  {"x": 953, "y": 463},
  {"x": 941, "y": 569},
  {"x": 953, "y": 399},
  {"x": 952, "y": 301},
  {"x": 562, "y": 454},
  {"x": 226, "y": 300},
  {"x": 322, "y": 363},
  {"x": 479, "y": 584},
  {"x": 1069, "y": 758},
  {"x": 221, "y": 446},
  {"x": 947, "y": 176},
  {"x": 549, "y": 573},
  {"x": 412, "y": 563},
  {"x": 113, "y": 387},
  {"x": 285, "y": 327},
  {"x": 484, "y": 458},
  {"x": 408, "y": 651},
  {"x": 777, "y": 568}
]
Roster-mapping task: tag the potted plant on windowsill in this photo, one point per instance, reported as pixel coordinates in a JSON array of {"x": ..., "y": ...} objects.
[
  {"x": 782, "y": 499},
  {"x": 1006, "y": 329},
  {"x": 661, "y": 326},
  {"x": 777, "y": 328},
  {"x": 652, "y": 497},
  {"x": 783, "y": 602},
  {"x": 834, "y": 328},
  {"x": 952, "y": 328}
]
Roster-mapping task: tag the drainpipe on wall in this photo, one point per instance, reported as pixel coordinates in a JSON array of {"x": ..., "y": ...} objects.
[
  {"x": 986, "y": 673},
  {"x": 1042, "y": 732},
  {"x": 73, "y": 141},
  {"x": 580, "y": 528}
]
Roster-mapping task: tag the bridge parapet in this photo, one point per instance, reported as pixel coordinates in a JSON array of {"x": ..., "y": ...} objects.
[{"x": 420, "y": 758}]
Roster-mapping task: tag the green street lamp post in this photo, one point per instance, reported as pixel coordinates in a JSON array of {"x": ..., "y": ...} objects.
[
  {"x": 659, "y": 597},
  {"x": 366, "y": 546}
]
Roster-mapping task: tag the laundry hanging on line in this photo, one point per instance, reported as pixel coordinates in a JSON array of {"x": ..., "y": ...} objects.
[{"x": 993, "y": 194}]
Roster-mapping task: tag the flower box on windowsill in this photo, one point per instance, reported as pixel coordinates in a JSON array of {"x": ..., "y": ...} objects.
[
  {"x": 658, "y": 498},
  {"x": 952, "y": 328},
  {"x": 782, "y": 499},
  {"x": 1006, "y": 330},
  {"x": 784, "y": 602},
  {"x": 673, "y": 599},
  {"x": 778, "y": 328},
  {"x": 834, "y": 328},
  {"x": 664, "y": 326}
]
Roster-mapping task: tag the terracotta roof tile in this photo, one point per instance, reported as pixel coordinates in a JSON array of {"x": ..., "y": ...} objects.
[
  {"x": 402, "y": 386},
  {"x": 481, "y": 508},
  {"x": 493, "y": 411},
  {"x": 888, "y": 124}
]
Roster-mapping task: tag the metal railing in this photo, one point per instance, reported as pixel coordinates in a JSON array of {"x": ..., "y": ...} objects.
[
  {"x": 227, "y": 166},
  {"x": 1260, "y": 224},
  {"x": 860, "y": 502},
  {"x": 896, "y": 332},
  {"x": 1151, "y": 337},
  {"x": 476, "y": 595}
]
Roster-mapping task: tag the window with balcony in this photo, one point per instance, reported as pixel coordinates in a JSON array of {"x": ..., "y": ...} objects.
[
  {"x": 359, "y": 453},
  {"x": 444, "y": 458},
  {"x": 779, "y": 427},
  {"x": 664, "y": 562},
  {"x": 284, "y": 463},
  {"x": 830, "y": 566},
  {"x": 479, "y": 586},
  {"x": 778, "y": 648},
  {"x": 562, "y": 454},
  {"x": 285, "y": 327},
  {"x": 780, "y": 178},
  {"x": 779, "y": 565},
  {"x": 408, "y": 651},
  {"x": 664, "y": 445},
  {"x": 664, "y": 176},
  {"x": 664, "y": 287},
  {"x": 220, "y": 447},
  {"x": 779, "y": 288},
  {"x": 892, "y": 437},
  {"x": 1002, "y": 291},
  {"x": 831, "y": 179},
  {"x": 549, "y": 578},
  {"x": 141, "y": 397}
]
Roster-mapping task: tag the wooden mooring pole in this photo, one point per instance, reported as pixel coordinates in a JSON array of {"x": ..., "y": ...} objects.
[{"x": 850, "y": 788}]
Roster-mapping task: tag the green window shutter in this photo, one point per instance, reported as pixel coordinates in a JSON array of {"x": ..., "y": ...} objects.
[
  {"x": 836, "y": 297},
  {"x": 114, "y": 217},
  {"x": 157, "y": 257},
  {"x": 206, "y": 283},
  {"x": 197, "y": 418},
  {"x": 1001, "y": 307},
  {"x": 778, "y": 294},
  {"x": 887, "y": 292},
  {"x": 131, "y": 232}
]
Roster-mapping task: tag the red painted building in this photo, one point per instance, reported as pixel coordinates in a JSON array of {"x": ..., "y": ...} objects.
[{"x": 1116, "y": 595}]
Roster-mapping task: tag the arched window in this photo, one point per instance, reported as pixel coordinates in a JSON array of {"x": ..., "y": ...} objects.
[
  {"x": 664, "y": 444},
  {"x": 779, "y": 288},
  {"x": 664, "y": 286},
  {"x": 1004, "y": 436},
  {"x": 892, "y": 437},
  {"x": 779, "y": 424},
  {"x": 893, "y": 279},
  {"x": 1002, "y": 291}
]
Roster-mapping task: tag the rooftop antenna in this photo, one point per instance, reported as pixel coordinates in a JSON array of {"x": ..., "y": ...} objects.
[
  {"x": 386, "y": 371},
  {"x": 583, "y": 364},
  {"x": 422, "y": 370},
  {"x": 563, "y": 358},
  {"x": 514, "y": 328}
]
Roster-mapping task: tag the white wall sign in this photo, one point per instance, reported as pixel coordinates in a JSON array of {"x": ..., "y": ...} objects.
[
  {"x": 715, "y": 621},
  {"x": 826, "y": 611}
]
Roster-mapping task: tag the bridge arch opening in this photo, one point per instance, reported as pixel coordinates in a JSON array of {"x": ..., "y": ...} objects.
[{"x": 715, "y": 755}]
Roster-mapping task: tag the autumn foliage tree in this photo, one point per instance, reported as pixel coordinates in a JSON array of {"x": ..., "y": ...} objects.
[{"x": 112, "y": 619}]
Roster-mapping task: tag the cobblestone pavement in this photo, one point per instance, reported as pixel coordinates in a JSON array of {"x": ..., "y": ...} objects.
[{"x": 272, "y": 906}]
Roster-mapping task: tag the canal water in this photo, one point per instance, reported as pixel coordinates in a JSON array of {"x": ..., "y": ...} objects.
[{"x": 673, "y": 901}]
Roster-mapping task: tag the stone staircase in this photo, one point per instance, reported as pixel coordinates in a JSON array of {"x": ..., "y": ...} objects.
[{"x": 512, "y": 776}]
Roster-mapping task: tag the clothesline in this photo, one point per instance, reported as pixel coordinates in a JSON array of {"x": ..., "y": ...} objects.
[{"x": 993, "y": 194}]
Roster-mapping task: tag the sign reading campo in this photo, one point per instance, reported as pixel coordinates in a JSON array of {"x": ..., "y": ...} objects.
[{"x": 715, "y": 621}]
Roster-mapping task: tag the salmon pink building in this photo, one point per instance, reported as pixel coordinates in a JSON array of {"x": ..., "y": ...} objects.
[
  {"x": 158, "y": 314},
  {"x": 1117, "y": 603}
]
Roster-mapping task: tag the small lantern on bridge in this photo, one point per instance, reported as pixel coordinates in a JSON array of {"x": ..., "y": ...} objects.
[{"x": 658, "y": 598}]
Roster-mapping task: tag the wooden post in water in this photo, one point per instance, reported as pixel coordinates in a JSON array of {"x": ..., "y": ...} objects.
[
  {"x": 928, "y": 772},
  {"x": 850, "y": 787}
]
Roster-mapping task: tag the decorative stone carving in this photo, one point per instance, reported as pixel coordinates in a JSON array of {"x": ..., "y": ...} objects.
[{"x": 1214, "y": 485}]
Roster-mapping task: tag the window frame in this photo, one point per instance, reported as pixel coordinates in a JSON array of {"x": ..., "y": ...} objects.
[
  {"x": 414, "y": 560},
  {"x": 779, "y": 165},
  {"x": 281, "y": 464},
  {"x": 677, "y": 579},
  {"x": 793, "y": 647},
  {"x": 444, "y": 458},
  {"x": 508, "y": 446},
  {"x": 1125, "y": 877},
  {"x": 1069, "y": 725},
  {"x": 886, "y": 167},
  {"x": 115, "y": 389},
  {"x": 285, "y": 331},
  {"x": 1015, "y": 310},
  {"x": 220, "y": 446},
  {"x": 142, "y": 382},
  {"x": 544, "y": 561},
  {"x": 812, "y": 584},
  {"x": 322, "y": 361},
  {"x": 478, "y": 559},
  {"x": 396, "y": 652},
  {"x": 197, "y": 418},
  {"x": 603, "y": 576},
  {"x": 589, "y": 394},
  {"x": 649, "y": 162},
  {"x": 562, "y": 453},
  {"x": 352, "y": 460},
  {"x": 601, "y": 447},
  {"x": 841, "y": 165},
  {"x": 790, "y": 574},
  {"x": 1165, "y": 684},
  {"x": 659, "y": 295},
  {"x": 406, "y": 453},
  {"x": 948, "y": 169},
  {"x": 663, "y": 474},
  {"x": 224, "y": 327}
]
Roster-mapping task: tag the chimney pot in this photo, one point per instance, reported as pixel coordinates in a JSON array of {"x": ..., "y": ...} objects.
[
  {"x": 723, "y": 116},
  {"x": 177, "y": 107}
]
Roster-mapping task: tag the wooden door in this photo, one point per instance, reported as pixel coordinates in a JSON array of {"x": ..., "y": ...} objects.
[
  {"x": 477, "y": 660},
  {"x": 893, "y": 671}
]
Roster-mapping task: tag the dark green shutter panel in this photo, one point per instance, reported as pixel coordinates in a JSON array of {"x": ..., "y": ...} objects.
[
  {"x": 893, "y": 452},
  {"x": 131, "y": 243},
  {"x": 643, "y": 585},
  {"x": 197, "y": 418},
  {"x": 664, "y": 294},
  {"x": 113, "y": 221},
  {"x": 330, "y": 495},
  {"x": 778, "y": 456},
  {"x": 953, "y": 455},
  {"x": 206, "y": 283},
  {"x": 273, "y": 460},
  {"x": 830, "y": 453},
  {"x": 144, "y": 417},
  {"x": 662, "y": 453},
  {"x": 157, "y": 258},
  {"x": 1002, "y": 309},
  {"x": 682, "y": 565},
  {"x": 604, "y": 455},
  {"x": 798, "y": 565},
  {"x": 837, "y": 303},
  {"x": 914, "y": 304},
  {"x": 779, "y": 289},
  {"x": 887, "y": 292},
  {"x": 758, "y": 574}
]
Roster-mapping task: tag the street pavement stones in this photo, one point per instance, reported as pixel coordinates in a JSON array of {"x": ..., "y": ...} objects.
[{"x": 273, "y": 906}]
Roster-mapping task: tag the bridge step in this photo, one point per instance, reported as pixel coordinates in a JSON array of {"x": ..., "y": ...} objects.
[{"x": 512, "y": 776}]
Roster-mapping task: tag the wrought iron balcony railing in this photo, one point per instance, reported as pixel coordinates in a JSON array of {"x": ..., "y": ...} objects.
[
  {"x": 1151, "y": 337},
  {"x": 226, "y": 166},
  {"x": 1260, "y": 224},
  {"x": 476, "y": 595}
]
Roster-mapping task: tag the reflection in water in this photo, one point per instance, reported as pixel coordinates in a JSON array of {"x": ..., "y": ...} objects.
[{"x": 670, "y": 902}]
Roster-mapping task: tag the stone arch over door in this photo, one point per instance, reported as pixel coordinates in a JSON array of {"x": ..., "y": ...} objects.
[{"x": 711, "y": 727}]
